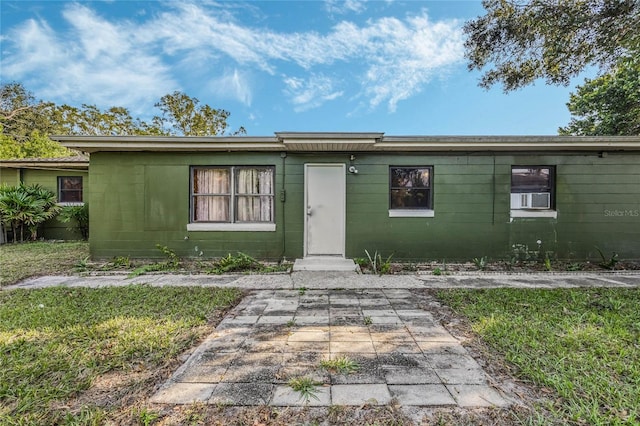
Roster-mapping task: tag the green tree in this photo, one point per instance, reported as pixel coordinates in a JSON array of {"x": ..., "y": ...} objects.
[
  {"x": 607, "y": 105},
  {"x": 37, "y": 146},
  {"x": 21, "y": 114},
  {"x": 552, "y": 39},
  {"x": 26, "y": 206},
  {"x": 183, "y": 115},
  {"x": 89, "y": 120}
]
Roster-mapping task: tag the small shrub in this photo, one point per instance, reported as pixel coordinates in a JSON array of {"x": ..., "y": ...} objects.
[{"x": 78, "y": 217}]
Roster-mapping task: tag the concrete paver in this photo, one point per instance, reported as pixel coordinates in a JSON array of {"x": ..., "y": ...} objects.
[
  {"x": 289, "y": 323},
  {"x": 406, "y": 355}
]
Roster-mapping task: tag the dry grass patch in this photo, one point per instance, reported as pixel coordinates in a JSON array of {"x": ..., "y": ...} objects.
[{"x": 20, "y": 261}]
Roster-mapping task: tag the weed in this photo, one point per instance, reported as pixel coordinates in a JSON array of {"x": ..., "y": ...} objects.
[
  {"x": 82, "y": 264},
  {"x": 609, "y": 263},
  {"x": 574, "y": 267},
  {"x": 121, "y": 262},
  {"x": 171, "y": 263},
  {"x": 242, "y": 262},
  {"x": 291, "y": 323},
  {"x": 343, "y": 364},
  {"x": 377, "y": 265},
  {"x": 547, "y": 262},
  {"x": 437, "y": 271},
  {"x": 147, "y": 417},
  {"x": 481, "y": 263},
  {"x": 368, "y": 321},
  {"x": 306, "y": 386},
  {"x": 195, "y": 413},
  {"x": 361, "y": 261},
  {"x": 302, "y": 291}
]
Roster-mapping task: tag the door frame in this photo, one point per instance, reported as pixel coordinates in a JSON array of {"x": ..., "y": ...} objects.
[{"x": 343, "y": 188}]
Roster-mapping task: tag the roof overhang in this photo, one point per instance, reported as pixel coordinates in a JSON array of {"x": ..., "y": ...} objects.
[
  {"x": 349, "y": 142},
  {"x": 45, "y": 164}
]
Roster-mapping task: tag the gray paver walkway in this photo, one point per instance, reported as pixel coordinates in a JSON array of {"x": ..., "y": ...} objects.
[
  {"x": 351, "y": 280},
  {"x": 273, "y": 336}
]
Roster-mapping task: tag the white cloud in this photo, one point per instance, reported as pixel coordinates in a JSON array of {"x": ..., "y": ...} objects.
[
  {"x": 120, "y": 62},
  {"x": 344, "y": 6},
  {"x": 234, "y": 85},
  {"x": 311, "y": 92},
  {"x": 96, "y": 62}
]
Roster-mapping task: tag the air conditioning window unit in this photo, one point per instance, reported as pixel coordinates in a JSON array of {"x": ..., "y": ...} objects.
[{"x": 531, "y": 200}]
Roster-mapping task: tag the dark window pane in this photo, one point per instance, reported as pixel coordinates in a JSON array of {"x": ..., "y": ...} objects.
[
  {"x": 410, "y": 177},
  {"x": 70, "y": 189},
  {"x": 531, "y": 179},
  {"x": 410, "y": 199}
]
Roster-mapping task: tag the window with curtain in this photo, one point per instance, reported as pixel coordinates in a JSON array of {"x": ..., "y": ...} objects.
[{"x": 232, "y": 194}]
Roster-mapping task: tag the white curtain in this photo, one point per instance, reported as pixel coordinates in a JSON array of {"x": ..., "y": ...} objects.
[
  {"x": 211, "y": 207},
  {"x": 254, "y": 188}
]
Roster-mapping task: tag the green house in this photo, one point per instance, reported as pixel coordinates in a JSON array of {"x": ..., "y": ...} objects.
[
  {"x": 66, "y": 177},
  {"x": 306, "y": 195}
]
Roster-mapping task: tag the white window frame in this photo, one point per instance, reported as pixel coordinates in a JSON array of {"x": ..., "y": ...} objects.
[{"x": 232, "y": 225}]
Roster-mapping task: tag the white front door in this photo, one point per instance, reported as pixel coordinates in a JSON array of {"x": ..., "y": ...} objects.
[{"x": 325, "y": 190}]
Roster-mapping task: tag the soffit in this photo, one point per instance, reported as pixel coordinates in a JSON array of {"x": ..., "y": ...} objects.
[{"x": 351, "y": 142}]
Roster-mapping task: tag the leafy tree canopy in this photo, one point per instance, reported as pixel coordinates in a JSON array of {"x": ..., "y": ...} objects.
[
  {"x": 552, "y": 39},
  {"x": 21, "y": 113},
  {"x": 36, "y": 146},
  {"x": 607, "y": 105},
  {"x": 26, "y": 123},
  {"x": 183, "y": 115}
]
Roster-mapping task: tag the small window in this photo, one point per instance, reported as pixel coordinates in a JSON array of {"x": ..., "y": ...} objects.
[
  {"x": 410, "y": 188},
  {"x": 70, "y": 189},
  {"x": 232, "y": 195},
  {"x": 532, "y": 188}
]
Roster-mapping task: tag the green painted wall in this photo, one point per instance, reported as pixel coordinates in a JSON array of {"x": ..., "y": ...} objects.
[
  {"x": 52, "y": 229},
  {"x": 138, "y": 200},
  {"x": 9, "y": 176}
]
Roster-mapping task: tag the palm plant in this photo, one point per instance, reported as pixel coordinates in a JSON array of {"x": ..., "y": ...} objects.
[{"x": 26, "y": 206}]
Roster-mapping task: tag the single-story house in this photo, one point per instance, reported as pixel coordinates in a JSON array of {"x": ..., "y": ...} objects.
[
  {"x": 296, "y": 195},
  {"x": 66, "y": 177}
]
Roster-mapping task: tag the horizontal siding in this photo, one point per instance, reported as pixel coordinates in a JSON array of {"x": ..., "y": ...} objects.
[{"x": 140, "y": 199}]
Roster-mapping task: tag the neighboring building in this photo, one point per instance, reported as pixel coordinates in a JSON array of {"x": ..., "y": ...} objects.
[
  {"x": 67, "y": 177},
  {"x": 336, "y": 194}
]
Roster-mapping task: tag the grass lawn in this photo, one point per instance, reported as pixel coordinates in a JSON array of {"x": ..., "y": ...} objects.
[
  {"x": 92, "y": 356},
  {"x": 582, "y": 343},
  {"x": 20, "y": 261}
]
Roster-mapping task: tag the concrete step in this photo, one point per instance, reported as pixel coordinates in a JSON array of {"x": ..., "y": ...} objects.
[{"x": 325, "y": 263}]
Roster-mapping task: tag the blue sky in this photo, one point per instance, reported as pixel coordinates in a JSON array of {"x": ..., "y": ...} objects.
[{"x": 382, "y": 66}]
